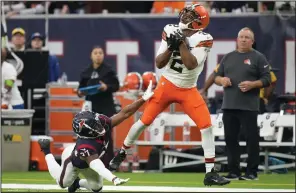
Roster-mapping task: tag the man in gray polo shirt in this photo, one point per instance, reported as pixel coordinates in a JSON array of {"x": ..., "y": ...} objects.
[{"x": 242, "y": 73}]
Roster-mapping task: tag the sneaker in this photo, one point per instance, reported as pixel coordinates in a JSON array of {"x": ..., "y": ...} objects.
[
  {"x": 117, "y": 160},
  {"x": 232, "y": 176},
  {"x": 44, "y": 144},
  {"x": 249, "y": 177},
  {"x": 75, "y": 186},
  {"x": 213, "y": 178}
]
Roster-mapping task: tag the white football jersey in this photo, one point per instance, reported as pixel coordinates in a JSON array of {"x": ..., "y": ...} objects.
[
  {"x": 9, "y": 73},
  {"x": 175, "y": 71}
]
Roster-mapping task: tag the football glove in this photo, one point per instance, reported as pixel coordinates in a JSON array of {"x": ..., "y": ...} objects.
[
  {"x": 175, "y": 40},
  {"x": 117, "y": 181},
  {"x": 148, "y": 93}
]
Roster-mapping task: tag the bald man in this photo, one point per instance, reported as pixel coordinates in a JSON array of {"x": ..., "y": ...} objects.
[{"x": 242, "y": 73}]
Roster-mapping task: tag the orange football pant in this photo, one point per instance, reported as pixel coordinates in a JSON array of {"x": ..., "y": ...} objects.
[{"x": 167, "y": 93}]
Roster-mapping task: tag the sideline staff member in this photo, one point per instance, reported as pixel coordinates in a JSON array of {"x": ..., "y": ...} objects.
[
  {"x": 102, "y": 102},
  {"x": 10, "y": 92},
  {"x": 242, "y": 73}
]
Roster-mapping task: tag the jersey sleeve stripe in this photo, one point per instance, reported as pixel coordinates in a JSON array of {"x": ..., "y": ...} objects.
[
  {"x": 205, "y": 43},
  {"x": 86, "y": 146}
]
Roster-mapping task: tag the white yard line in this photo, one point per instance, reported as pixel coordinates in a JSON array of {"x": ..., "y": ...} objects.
[{"x": 145, "y": 188}]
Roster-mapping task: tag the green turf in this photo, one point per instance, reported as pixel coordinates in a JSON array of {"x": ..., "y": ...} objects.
[{"x": 266, "y": 181}]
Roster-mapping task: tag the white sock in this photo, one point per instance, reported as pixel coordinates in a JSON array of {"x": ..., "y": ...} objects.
[
  {"x": 83, "y": 183},
  {"x": 134, "y": 133},
  {"x": 53, "y": 167},
  {"x": 208, "y": 145}
]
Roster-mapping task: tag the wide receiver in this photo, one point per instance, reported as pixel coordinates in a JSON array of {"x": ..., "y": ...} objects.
[
  {"x": 182, "y": 52},
  {"x": 92, "y": 142}
]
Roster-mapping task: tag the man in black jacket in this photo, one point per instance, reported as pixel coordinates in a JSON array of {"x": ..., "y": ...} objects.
[{"x": 102, "y": 102}]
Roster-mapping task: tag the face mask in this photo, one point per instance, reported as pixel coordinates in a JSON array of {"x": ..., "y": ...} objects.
[{"x": 183, "y": 26}]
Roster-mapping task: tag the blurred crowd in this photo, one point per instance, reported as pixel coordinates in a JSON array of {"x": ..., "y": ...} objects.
[{"x": 157, "y": 7}]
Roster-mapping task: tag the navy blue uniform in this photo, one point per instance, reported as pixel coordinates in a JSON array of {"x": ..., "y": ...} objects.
[{"x": 88, "y": 147}]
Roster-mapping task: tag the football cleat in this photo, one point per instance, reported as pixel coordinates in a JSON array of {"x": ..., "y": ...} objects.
[
  {"x": 117, "y": 160},
  {"x": 75, "y": 186},
  {"x": 213, "y": 178}
]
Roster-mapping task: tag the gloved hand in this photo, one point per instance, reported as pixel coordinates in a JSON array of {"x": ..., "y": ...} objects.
[
  {"x": 175, "y": 40},
  {"x": 117, "y": 181},
  {"x": 148, "y": 93}
]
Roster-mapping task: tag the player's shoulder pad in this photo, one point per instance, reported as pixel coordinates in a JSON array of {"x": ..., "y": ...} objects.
[
  {"x": 202, "y": 39},
  {"x": 168, "y": 30}
]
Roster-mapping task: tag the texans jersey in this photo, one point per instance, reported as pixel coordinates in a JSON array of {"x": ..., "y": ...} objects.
[
  {"x": 88, "y": 147},
  {"x": 175, "y": 71}
]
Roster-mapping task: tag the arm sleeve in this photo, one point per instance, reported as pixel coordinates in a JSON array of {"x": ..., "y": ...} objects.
[
  {"x": 98, "y": 166},
  {"x": 200, "y": 54},
  {"x": 10, "y": 74},
  {"x": 83, "y": 81},
  {"x": 264, "y": 71},
  {"x": 106, "y": 121},
  {"x": 112, "y": 82},
  {"x": 202, "y": 48},
  {"x": 162, "y": 48}
]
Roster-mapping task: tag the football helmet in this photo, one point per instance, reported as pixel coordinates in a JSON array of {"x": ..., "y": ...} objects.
[
  {"x": 87, "y": 124},
  {"x": 133, "y": 82},
  {"x": 147, "y": 76},
  {"x": 194, "y": 17}
]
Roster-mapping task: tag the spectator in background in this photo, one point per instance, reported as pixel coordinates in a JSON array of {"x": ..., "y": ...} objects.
[
  {"x": 101, "y": 73},
  {"x": 23, "y": 7},
  {"x": 229, "y": 6},
  {"x": 160, "y": 7},
  {"x": 37, "y": 42},
  {"x": 66, "y": 7},
  {"x": 10, "y": 94},
  {"x": 18, "y": 39}
]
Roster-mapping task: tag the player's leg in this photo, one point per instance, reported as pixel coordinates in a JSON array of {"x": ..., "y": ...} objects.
[
  {"x": 154, "y": 106},
  {"x": 195, "y": 107},
  {"x": 69, "y": 173},
  {"x": 92, "y": 182},
  {"x": 64, "y": 175},
  {"x": 53, "y": 167}
]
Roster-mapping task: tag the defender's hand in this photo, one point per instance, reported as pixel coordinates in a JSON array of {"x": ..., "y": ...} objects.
[
  {"x": 148, "y": 93},
  {"x": 117, "y": 181}
]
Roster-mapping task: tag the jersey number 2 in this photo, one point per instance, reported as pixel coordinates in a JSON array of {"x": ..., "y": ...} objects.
[{"x": 176, "y": 61}]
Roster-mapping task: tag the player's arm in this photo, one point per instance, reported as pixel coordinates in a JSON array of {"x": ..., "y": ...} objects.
[
  {"x": 188, "y": 59},
  {"x": 98, "y": 166},
  {"x": 129, "y": 110},
  {"x": 163, "y": 54},
  {"x": 209, "y": 82},
  {"x": 211, "y": 79},
  {"x": 9, "y": 79}
]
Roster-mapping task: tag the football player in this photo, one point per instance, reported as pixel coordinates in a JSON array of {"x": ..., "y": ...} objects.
[
  {"x": 183, "y": 51},
  {"x": 85, "y": 156}
]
